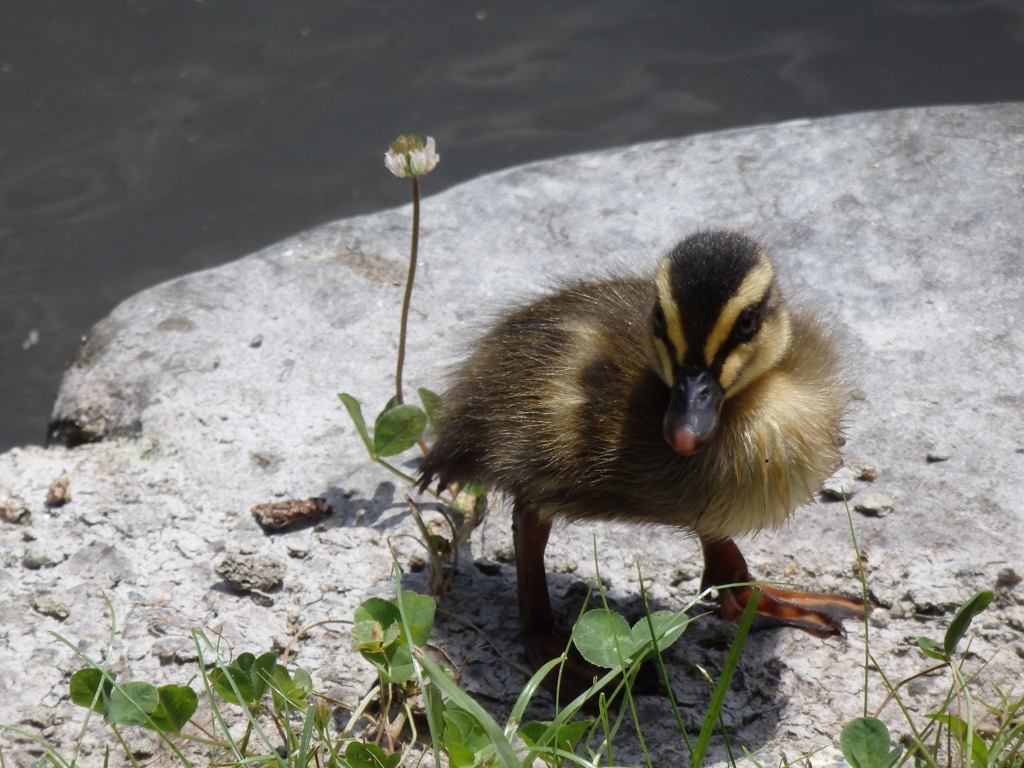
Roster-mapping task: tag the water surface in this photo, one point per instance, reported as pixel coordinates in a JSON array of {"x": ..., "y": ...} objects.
[{"x": 140, "y": 141}]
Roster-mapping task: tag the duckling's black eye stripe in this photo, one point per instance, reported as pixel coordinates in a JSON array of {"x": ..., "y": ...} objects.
[
  {"x": 658, "y": 322},
  {"x": 746, "y": 324},
  {"x": 761, "y": 309},
  {"x": 756, "y": 315}
]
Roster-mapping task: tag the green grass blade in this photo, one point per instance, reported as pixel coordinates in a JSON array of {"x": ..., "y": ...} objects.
[
  {"x": 506, "y": 755},
  {"x": 722, "y": 687}
]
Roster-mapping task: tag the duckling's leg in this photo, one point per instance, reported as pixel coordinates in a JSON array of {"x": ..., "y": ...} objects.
[
  {"x": 542, "y": 639},
  {"x": 536, "y": 621},
  {"x": 819, "y": 614}
]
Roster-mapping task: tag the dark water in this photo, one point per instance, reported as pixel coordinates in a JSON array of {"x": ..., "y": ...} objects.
[{"x": 139, "y": 141}]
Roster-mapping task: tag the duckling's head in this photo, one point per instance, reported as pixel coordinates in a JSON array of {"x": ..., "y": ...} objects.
[{"x": 718, "y": 323}]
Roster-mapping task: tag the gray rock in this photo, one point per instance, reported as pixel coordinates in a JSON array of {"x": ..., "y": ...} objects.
[
  {"x": 49, "y": 604},
  {"x": 40, "y": 554},
  {"x": 13, "y": 510},
  {"x": 251, "y": 573},
  {"x": 842, "y": 484},
  {"x": 1008, "y": 577},
  {"x": 278, "y": 515},
  {"x": 487, "y": 566},
  {"x": 101, "y": 566},
  {"x": 874, "y": 504},
  {"x": 176, "y": 650},
  {"x": 863, "y": 469},
  {"x": 59, "y": 492},
  {"x": 914, "y": 213},
  {"x": 685, "y": 573}
]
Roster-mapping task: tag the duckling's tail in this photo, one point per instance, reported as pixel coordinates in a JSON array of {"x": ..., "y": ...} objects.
[
  {"x": 425, "y": 473},
  {"x": 449, "y": 463}
]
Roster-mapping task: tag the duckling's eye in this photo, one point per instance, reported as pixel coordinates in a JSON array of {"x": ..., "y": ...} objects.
[
  {"x": 746, "y": 325},
  {"x": 658, "y": 322}
]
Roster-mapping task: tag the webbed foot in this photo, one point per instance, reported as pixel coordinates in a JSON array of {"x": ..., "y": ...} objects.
[{"x": 819, "y": 614}]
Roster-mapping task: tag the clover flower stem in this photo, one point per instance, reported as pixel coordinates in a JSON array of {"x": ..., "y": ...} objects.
[{"x": 408, "y": 287}]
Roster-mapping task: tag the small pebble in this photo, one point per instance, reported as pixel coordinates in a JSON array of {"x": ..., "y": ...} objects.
[
  {"x": 841, "y": 484},
  {"x": 683, "y": 574},
  {"x": 261, "y": 598},
  {"x": 59, "y": 492},
  {"x": 864, "y": 470},
  {"x": 1008, "y": 577},
  {"x": 38, "y": 555},
  {"x": 175, "y": 650},
  {"x": 13, "y": 512},
  {"x": 487, "y": 566},
  {"x": 936, "y": 456},
  {"x": 874, "y": 504},
  {"x": 251, "y": 573},
  {"x": 50, "y": 604},
  {"x": 505, "y": 555},
  {"x": 277, "y": 515},
  {"x": 577, "y": 589},
  {"x": 879, "y": 619},
  {"x": 257, "y": 341}
]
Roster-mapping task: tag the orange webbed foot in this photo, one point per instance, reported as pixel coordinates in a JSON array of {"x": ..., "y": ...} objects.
[{"x": 819, "y": 614}]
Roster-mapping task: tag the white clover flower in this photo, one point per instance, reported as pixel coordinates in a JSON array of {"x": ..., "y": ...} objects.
[
  {"x": 424, "y": 160},
  {"x": 408, "y": 156},
  {"x": 396, "y": 163}
]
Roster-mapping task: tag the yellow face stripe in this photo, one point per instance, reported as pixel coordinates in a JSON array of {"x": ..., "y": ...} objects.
[
  {"x": 673, "y": 322},
  {"x": 665, "y": 362},
  {"x": 753, "y": 288},
  {"x": 747, "y": 362},
  {"x": 733, "y": 366}
]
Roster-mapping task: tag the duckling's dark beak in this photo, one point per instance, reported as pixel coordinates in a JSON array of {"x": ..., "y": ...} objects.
[{"x": 692, "y": 415}]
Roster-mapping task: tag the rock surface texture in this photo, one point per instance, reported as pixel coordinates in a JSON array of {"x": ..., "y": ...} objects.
[{"x": 217, "y": 392}]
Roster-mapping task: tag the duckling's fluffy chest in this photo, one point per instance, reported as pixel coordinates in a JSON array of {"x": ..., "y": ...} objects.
[
  {"x": 559, "y": 407},
  {"x": 775, "y": 445}
]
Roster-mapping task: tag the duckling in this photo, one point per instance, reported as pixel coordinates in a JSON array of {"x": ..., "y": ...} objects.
[{"x": 693, "y": 397}]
